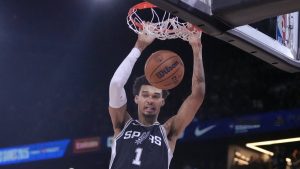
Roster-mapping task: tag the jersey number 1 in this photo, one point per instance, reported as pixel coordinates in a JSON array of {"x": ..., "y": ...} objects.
[{"x": 137, "y": 159}]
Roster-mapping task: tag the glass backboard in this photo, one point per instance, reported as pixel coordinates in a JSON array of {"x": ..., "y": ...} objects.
[{"x": 237, "y": 22}]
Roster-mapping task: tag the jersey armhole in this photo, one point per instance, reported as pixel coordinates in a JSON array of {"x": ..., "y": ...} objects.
[
  {"x": 165, "y": 137},
  {"x": 124, "y": 128},
  {"x": 170, "y": 152}
]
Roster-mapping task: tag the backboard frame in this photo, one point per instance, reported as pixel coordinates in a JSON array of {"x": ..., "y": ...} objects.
[{"x": 216, "y": 22}]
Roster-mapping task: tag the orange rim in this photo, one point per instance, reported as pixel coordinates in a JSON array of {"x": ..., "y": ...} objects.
[
  {"x": 147, "y": 5},
  {"x": 139, "y": 6}
]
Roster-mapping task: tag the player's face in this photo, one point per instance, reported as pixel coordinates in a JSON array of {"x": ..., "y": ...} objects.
[{"x": 149, "y": 100}]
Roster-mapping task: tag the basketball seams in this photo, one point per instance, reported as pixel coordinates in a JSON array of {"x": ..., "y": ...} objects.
[{"x": 158, "y": 66}]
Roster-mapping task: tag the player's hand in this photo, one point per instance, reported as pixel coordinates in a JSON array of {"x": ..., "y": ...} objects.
[
  {"x": 144, "y": 39},
  {"x": 195, "y": 39}
]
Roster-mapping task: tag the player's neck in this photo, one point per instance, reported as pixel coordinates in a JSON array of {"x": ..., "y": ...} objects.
[{"x": 147, "y": 121}]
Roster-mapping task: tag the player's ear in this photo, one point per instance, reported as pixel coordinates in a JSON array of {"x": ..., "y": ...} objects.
[
  {"x": 163, "y": 102},
  {"x": 136, "y": 99}
]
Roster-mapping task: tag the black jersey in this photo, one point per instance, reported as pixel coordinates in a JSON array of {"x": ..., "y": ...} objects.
[{"x": 141, "y": 147}]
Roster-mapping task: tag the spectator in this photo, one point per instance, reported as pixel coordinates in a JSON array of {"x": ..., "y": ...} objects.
[
  {"x": 278, "y": 159},
  {"x": 295, "y": 159}
]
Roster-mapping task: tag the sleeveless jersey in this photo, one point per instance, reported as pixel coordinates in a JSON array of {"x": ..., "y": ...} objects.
[{"x": 141, "y": 147}]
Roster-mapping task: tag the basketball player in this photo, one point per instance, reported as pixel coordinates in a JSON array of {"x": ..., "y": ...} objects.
[{"x": 144, "y": 143}]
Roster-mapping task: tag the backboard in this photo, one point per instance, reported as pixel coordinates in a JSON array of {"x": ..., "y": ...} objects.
[{"x": 234, "y": 22}]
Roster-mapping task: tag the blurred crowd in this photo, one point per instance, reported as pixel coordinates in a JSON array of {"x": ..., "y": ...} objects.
[{"x": 280, "y": 160}]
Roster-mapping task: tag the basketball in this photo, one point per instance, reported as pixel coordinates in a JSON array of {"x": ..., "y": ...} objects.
[{"x": 164, "y": 69}]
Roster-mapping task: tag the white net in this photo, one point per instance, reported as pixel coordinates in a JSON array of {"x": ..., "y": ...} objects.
[{"x": 161, "y": 27}]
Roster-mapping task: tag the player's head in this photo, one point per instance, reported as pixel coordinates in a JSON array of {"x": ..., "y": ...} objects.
[
  {"x": 148, "y": 98},
  {"x": 141, "y": 80}
]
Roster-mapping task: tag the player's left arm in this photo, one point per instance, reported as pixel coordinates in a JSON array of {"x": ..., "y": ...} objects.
[{"x": 177, "y": 124}]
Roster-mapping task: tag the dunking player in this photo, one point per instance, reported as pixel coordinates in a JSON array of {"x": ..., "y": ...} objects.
[{"x": 144, "y": 143}]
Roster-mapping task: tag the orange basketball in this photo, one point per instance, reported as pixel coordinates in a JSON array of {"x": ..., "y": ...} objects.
[{"x": 164, "y": 69}]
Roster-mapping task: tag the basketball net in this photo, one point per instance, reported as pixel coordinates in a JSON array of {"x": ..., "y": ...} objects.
[{"x": 165, "y": 26}]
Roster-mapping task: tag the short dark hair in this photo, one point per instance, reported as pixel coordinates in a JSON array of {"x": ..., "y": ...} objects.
[{"x": 141, "y": 80}]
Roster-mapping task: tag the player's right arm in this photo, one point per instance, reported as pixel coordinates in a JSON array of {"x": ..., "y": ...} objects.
[{"x": 117, "y": 95}]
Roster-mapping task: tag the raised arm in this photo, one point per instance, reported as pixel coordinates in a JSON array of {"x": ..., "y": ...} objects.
[
  {"x": 117, "y": 95},
  {"x": 176, "y": 124}
]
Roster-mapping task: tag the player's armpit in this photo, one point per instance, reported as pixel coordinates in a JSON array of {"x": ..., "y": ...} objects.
[
  {"x": 119, "y": 116},
  {"x": 176, "y": 125}
]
